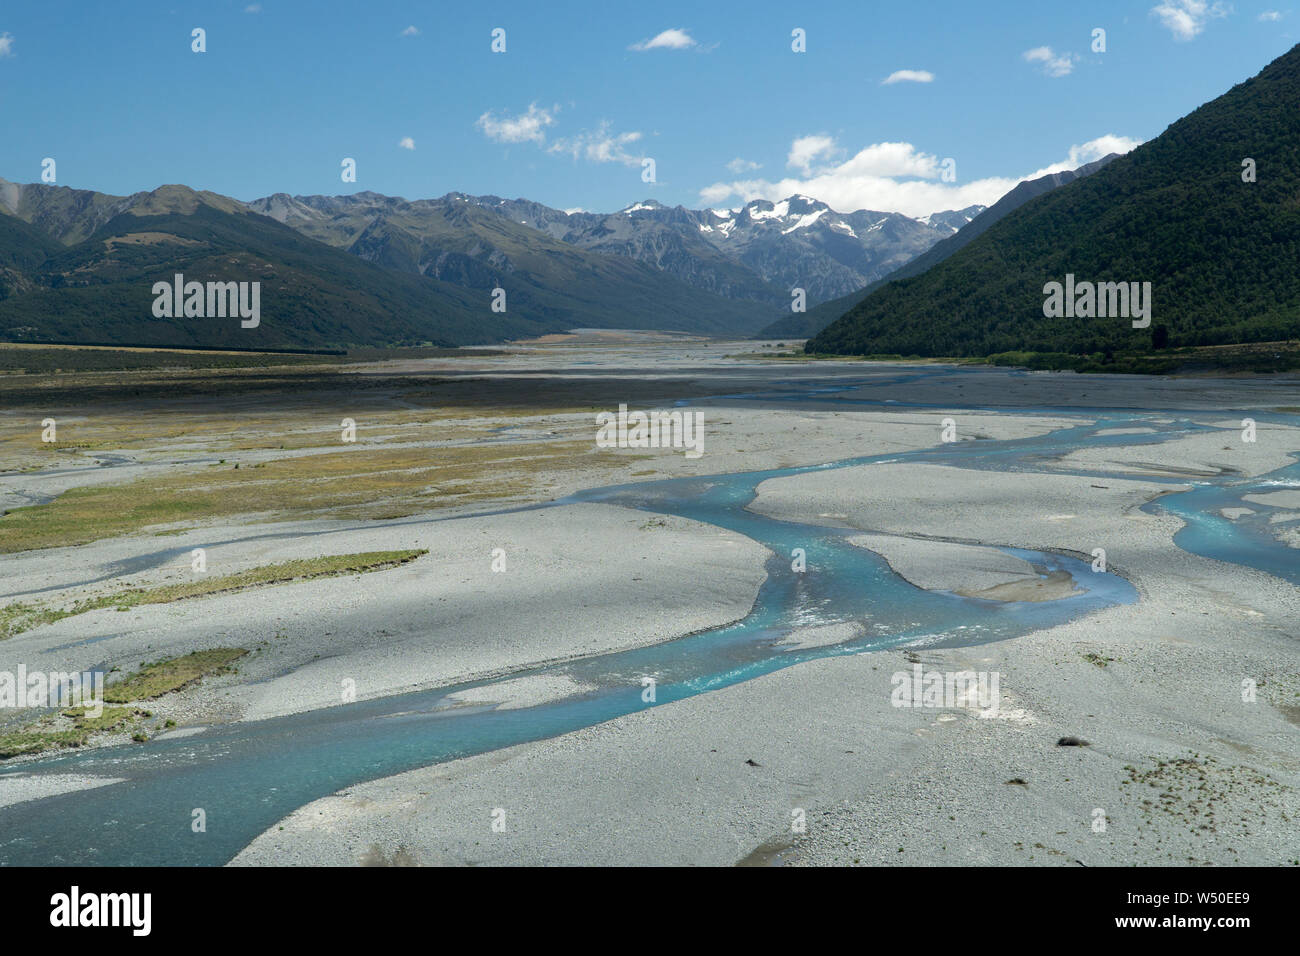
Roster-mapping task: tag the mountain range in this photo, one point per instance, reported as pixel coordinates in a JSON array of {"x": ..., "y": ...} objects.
[
  {"x": 1204, "y": 215},
  {"x": 1207, "y": 213},
  {"x": 797, "y": 242},
  {"x": 368, "y": 269}
]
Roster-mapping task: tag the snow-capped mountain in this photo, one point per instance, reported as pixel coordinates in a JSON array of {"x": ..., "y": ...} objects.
[
  {"x": 757, "y": 253},
  {"x": 798, "y": 242}
]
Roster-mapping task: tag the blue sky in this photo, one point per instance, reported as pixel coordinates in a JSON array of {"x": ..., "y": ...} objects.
[{"x": 565, "y": 116}]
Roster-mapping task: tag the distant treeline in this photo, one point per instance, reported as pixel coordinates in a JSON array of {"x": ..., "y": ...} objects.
[
  {"x": 188, "y": 348},
  {"x": 34, "y": 359}
]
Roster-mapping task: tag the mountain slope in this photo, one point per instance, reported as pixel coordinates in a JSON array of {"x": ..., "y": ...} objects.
[
  {"x": 22, "y": 250},
  {"x": 807, "y": 324},
  {"x": 77, "y": 265},
  {"x": 462, "y": 242},
  {"x": 99, "y": 289},
  {"x": 1220, "y": 253}
]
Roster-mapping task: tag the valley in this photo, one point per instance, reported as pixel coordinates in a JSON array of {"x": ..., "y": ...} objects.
[
  {"x": 701, "y": 684},
  {"x": 672, "y": 436}
]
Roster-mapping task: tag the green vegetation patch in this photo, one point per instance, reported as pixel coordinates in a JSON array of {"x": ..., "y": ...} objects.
[
  {"x": 163, "y": 677},
  {"x": 330, "y": 565},
  {"x": 1258, "y": 357},
  {"x": 72, "y": 728},
  {"x": 365, "y": 482},
  {"x": 19, "y": 617},
  {"x": 110, "y": 719}
]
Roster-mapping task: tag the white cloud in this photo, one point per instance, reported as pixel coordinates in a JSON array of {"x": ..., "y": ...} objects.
[
  {"x": 527, "y": 127},
  {"x": 908, "y": 76},
  {"x": 6, "y": 44},
  {"x": 897, "y": 177},
  {"x": 600, "y": 145},
  {"x": 411, "y": 31},
  {"x": 1270, "y": 16},
  {"x": 668, "y": 40},
  {"x": 738, "y": 166},
  {"x": 1186, "y": 18},
  {"x": 253, "y": 8},
  {"x": 720, "y": 191},
  {"x": 1052, "y": 64},
  {"x": 406, "y": 143},
  {"x": 1088, "y": 152},
  {"x": 806, "y": 150}
]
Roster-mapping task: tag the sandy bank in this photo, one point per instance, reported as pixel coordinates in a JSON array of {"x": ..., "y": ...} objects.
[
  {"x": 968, "y": 570},
  {"x": 443, "y": 618}
]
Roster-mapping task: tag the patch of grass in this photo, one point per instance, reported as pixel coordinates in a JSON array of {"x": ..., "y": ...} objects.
[
  {"x": 801, "y": 356},
  {"x": 19, "y": 617},
  {"x": 330, "y": 565},
  {"x": 163, "y": 677},
  {"x": 110, "y": 719},
  {"x": 364, "y": 482},
  {"x": 74, "y": 726},
  {"x": 29, "y": 741},
  {"x": 53, "y": 733}
]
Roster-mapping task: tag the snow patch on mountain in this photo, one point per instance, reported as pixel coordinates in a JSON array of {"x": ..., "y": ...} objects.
[
  {"x": 778, "y": 211},
  {"x": 805, "y": 221}
]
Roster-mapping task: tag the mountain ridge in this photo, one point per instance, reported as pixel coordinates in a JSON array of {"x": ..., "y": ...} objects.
[
  {"x": 645, "y": 266},
  {"x": 751, "y": 253},
  {"x": 808, "y": 324},
  {"x": 1218, "y": 248}
]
